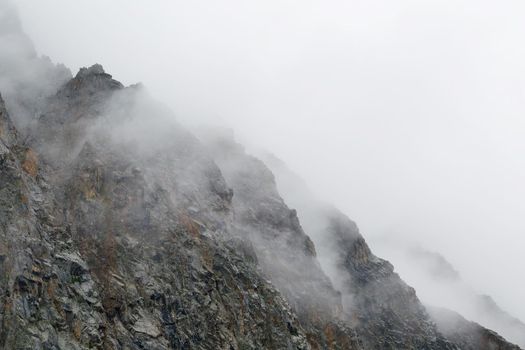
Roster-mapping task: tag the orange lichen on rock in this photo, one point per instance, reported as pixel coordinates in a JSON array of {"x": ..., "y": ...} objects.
[
  {"x": 330, "y": 335},
  {"x": 30, "y": 164},
  {"x": 207, "y": 258},
  {"x": 77, "y": 329},
  {"x": 23, "y": 198},
  {"x": 190, "y": 225},
  {"x": 90, "y": 193}
]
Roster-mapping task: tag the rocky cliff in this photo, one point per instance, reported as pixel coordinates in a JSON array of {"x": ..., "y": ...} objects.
[
  {"x": 384, "y": 310},
  {"x": 119, "y": 229},
  {"x": 440, "y": 285}
]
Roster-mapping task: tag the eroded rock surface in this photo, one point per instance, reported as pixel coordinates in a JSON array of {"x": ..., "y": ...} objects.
[{"x": 96, "y": 253}]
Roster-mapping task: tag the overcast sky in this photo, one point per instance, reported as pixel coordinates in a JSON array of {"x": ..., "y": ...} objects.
[{"x": 407, "y": 114}]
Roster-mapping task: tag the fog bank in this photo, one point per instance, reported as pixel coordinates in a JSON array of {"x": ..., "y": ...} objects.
[{"x": 408, "y": 115}]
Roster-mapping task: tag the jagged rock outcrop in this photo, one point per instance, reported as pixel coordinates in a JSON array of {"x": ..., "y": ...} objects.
[
  {"x": 384, "y": 310},
  {"x": 286, "y": 254}
]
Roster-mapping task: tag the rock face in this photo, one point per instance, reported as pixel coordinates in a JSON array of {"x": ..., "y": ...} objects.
[
  {"x": 285, "y": 253},
  {"x": 384, "y": 311},
  {"x": 383, "y": 307},
  {"x": 444, "y": 287},
  {"x": 100, "y": 257},
  {"x": 121, "y": 230},
  {"x": 7, "y": 129}
]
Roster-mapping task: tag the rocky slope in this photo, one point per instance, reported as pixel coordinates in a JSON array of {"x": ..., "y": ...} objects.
[
  {"x": 96, "y": 258},
  {"x": 121, "y": 230},
  {"x": 439, "y": 284},
  {"x": 286, "y": 254},
  {"x": 480, "y": 308},
  {"x": 466, "y": 334},
  {"x": 383, "y": 309}
]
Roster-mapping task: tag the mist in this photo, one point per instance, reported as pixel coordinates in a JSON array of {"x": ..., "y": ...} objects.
[{"x": 406, "y": 115}]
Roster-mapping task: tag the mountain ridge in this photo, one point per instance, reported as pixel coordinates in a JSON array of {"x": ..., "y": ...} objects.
[{"x": 122, "y": 230}]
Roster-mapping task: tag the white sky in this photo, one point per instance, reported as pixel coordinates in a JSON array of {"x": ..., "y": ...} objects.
[{"x": 407, "y": 114}]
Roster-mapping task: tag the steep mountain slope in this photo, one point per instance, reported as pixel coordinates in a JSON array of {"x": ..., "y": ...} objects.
[
  {"x": 468, "y": 335},
  {"x": 381, "y": 307},
  {"x": 480, "y": 308},
  {"x": 286, "y": 254},
  {"x": 120, "y": 230},
  {"x": 385, "y": 311},
  {"x": 114, "y": 265},
  {"x": 440, "y": 285}
]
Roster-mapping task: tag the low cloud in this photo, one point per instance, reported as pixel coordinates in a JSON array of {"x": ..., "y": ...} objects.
[{"x": 407, "y": 115}]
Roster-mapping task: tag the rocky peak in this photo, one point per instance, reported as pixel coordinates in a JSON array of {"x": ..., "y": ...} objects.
[
  {"x": 95, "y": 69},
  {"x": 89, "y": 83},
  {"x": 67, "y": 116}
]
